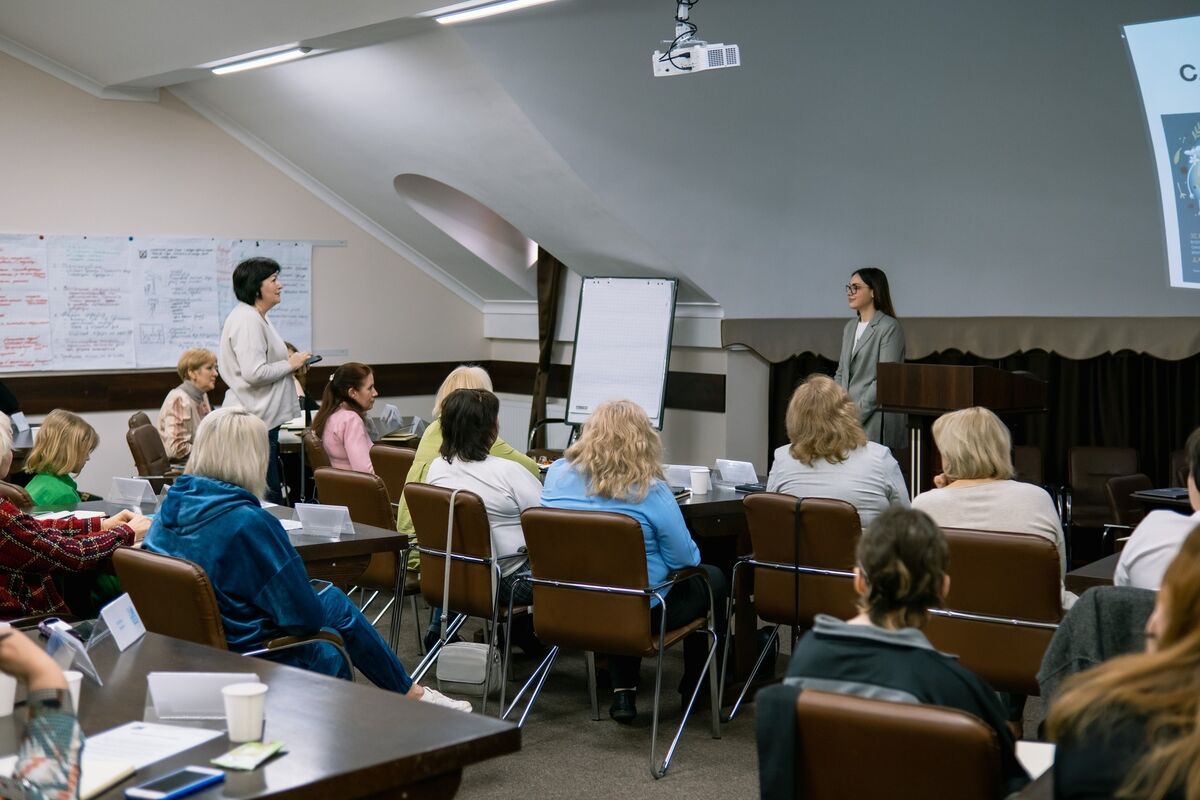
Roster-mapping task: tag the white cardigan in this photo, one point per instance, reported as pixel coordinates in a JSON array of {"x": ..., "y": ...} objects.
[{"x": 255, "y": 367}]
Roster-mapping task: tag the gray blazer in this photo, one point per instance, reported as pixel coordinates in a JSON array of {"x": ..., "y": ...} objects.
[{"x": 883, "y": 340}]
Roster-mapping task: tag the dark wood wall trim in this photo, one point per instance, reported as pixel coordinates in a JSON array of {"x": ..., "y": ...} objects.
[{"x": 127, "y": 391}]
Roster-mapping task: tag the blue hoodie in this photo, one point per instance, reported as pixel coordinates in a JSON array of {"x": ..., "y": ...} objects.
[{"x": 261, "y": 585}]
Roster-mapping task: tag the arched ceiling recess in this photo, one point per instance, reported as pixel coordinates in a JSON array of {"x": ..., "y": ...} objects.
[{"x": 485, "y": 239}]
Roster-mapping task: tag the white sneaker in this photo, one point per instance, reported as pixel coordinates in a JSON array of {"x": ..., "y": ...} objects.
[{"x": 438, "y": 699}]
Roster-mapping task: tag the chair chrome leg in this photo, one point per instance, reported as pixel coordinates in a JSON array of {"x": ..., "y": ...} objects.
[
  {"x": 379, "y": 616},
  {"x": 363, "y": 608},
  {"x": 417, "y": 626},
  {"x": 431, "y": 657},
  {"x": 591, "y": 677},
  {"x": 754, "y": 672},
  {"x": 539, "y": 675},
  {"x": 656, "y": 770},
  {"x": 733, "y": 583},
  {"x": 709, "y": 665},
  {"x": 491, "y": 640},
  {"x": 714, "y": 692}
]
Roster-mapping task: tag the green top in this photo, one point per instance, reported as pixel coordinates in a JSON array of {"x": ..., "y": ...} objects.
[
  {"x": 428, "y": 450},
  {"x": 52, "y": 490}
]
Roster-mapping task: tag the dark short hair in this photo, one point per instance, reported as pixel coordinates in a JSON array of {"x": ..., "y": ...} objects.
[
  {"x": 469, "y": 424},
  {"x": 903, "y": 555},
  {"x": 1193, "y": 455},
  {"x": 249, "y": 275}
]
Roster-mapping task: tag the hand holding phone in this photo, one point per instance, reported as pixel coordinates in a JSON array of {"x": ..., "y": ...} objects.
[{"x": 313, "y": 360}]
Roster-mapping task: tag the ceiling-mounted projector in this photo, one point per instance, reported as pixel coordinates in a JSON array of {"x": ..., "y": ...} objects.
[{"x": 686, "y": 54}]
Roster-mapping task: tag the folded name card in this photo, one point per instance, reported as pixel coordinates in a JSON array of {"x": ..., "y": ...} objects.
[
  {"x": 736, "y": 471},
  {"x": 132, "y": 490},
  {"x": 320, "y": 520},
  {"x": 192, "y": 695}
]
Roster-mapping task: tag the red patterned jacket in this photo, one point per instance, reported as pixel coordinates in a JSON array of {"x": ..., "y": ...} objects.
[{"x": 32, "y": 550}]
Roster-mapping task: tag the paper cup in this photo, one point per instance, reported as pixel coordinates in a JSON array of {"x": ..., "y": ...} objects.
[
  {"x": 700, "y": 480},
  {"x": 74, "y": 683},
  {"x": 245, "y": 705},
  {"x": 8, "y": 694}
]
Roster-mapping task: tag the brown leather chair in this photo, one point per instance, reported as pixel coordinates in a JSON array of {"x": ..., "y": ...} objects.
[
  {"x": 16, "y": 495},
  {"x": 150, "y": 456},
  {"x": 852, "y": 747},
  {"x": 474, "y": 573},
  {"x": 1125, "y": 510},
  {"x": 138, "y": 419},
  {"x": 367, "y": 499},
  {"x": 314, "y": 451},
  {"x": 591, "y": 592},
  {"x": 1004, "y": 605},
  {"x": 174, "y": 598},
  {"x": 1177, "y": 468},
  {"x": 392, "y": 465},
  {"x": 1088, "y": 468},
  {"x": 1027, "y": 461},
  {"x": 827, "y": 533}
]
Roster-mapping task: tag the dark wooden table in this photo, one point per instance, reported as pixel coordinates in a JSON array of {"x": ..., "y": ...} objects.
[
  {"x": 1098, "y": 573},
  {"x": 1173, "y": 499},
  {"x": 344, "y": 740}
]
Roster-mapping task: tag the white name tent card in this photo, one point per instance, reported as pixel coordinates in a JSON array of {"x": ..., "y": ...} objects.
[
  {"x": 320, "y": 520},
  {"x": 19, "y": 422},
  {"x": 132, "y": 490},
  {"x": 192, "y": 695},
  {"x": 680, "y": 474},
  {"x": 122, "y": 621},
  {"x": 291, "y": 524},
  {"x": 736, "y": 471},
  {"x": 67, "y": 651}
]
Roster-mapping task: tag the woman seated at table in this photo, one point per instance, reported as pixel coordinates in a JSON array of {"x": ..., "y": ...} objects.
[
  {"x": 48, "y": 763},
  {"x": 212, "y": 517},
  {"x": 616, "y": 465},
  {"x": 349, "y": 395},
  {"x": 187, "y": 403},
  {"x": 829, "y": 455},
  {"x": 463, "y": 377},
  {"x": 882, "y": 653},
  {"x": 63, "y": 445},
  {"x": 1128, "y": 727},
  {"x": 470, "y": 424},
  {"x": 976, "y": 490},
  {"x": 33, "y": 552}
]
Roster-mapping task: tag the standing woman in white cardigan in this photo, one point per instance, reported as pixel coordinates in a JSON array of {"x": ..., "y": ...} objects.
[
  {"x": 873, "y": 337},
  {"x": 255, "y": 360}
]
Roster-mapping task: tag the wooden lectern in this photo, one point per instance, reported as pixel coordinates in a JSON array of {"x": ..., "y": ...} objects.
[{"x": 924, "y": 391}]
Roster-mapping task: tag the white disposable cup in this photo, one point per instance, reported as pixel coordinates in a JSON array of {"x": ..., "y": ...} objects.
[
  {"x": 700, "y": 481},
  {"x": 245, "y": 704},
  {"x": 74, "y": 683},
  {"x": 8, "y": 694}
]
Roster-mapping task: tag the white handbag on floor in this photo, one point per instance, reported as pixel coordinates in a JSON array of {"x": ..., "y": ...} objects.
[{"x": 462, "y": 667}]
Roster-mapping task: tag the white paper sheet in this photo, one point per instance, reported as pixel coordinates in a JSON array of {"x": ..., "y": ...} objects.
[
  {"x": 178, "y": 307},
  {"x": 1035, "y": 757},
  {"x": 144, "y": 743},
  {"x": 91, "y": 302}
]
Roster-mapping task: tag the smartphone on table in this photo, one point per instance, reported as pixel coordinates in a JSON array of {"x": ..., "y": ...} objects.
[{"x": 177, "y": 784}]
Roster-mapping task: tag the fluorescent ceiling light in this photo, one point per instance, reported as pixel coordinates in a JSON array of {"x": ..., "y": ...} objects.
[
  {"x": 263, "y": 61},
  {"x": 490, "y": 9}
]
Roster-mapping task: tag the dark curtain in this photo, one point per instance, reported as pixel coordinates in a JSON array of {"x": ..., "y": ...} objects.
[
  {"x": 1116, "y": 400},
  {"x": 550, "y": 272}
]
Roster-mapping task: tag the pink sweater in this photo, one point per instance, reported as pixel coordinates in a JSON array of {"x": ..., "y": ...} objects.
[{"x": 346, "y": 441}]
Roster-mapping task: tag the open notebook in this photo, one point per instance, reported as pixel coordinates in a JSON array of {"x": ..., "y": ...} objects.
[{"x": 96, "y": 776}]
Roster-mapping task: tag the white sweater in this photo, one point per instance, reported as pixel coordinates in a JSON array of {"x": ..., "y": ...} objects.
[
  {"x": 255, "y": 367},
  {"x": 869, "y": 479},
  {"x": 505, "y": 487},
  {"x": 1152, "y": 547},
  {"x": 1004, "y": 506}
]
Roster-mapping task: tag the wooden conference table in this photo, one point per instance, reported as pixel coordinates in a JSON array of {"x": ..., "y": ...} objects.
[
  {"x": 343, "y": 740},
  {"x": 338, "y": 559}
]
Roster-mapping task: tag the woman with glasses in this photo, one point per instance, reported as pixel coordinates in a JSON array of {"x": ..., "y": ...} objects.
[{"x": 873, "y": 337}]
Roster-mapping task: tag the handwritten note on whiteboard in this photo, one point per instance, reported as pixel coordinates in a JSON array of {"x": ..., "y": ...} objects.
[
  {"x": 119, "y": 302},
  {"x": 622, "y": 345},
  {"x": 24, "y": 304}
]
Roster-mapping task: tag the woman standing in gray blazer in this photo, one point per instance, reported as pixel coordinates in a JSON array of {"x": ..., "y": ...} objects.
[{"x": 873, "y": 337}]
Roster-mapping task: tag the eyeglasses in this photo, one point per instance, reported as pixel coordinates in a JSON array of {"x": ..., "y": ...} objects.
[{"x": 852, "y": 288}]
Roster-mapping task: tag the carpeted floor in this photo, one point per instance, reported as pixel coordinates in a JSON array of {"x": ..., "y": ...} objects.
[{"x": 566, "y": 754}]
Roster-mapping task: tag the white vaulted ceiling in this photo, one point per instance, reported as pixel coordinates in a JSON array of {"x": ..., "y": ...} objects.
[{"x": 991, "y": 156}]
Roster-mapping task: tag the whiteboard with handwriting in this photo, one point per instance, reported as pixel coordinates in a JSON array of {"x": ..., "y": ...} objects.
[
  {"x": 121, "y": 302},
  {"x": 622, "y": 345}
]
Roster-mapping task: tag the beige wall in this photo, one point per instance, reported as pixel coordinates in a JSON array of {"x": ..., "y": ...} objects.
[{"x": 76, "y": 164}]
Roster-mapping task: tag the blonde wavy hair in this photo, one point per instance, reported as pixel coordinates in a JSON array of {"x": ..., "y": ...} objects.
[
  {"x": 461, "y": 377},
  {"x": 974, "y": 444},
  {"x": 618, "y": 452},
  {"x": 231, "y": 446},
  {"x": 62, "y": 445},
  {"x": 822, "y": 422}
]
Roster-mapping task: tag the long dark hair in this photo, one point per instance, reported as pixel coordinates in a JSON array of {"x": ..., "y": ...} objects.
[
  {"x": 469, "y": 424},
  {"x": 348, "y": 376},
  {"x": 876, "y": 281}
]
